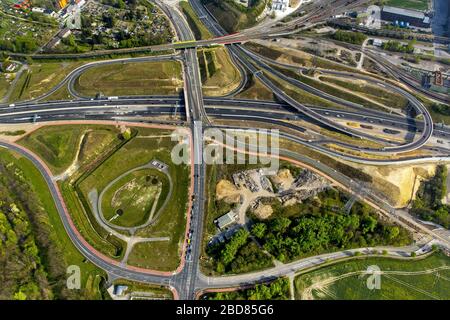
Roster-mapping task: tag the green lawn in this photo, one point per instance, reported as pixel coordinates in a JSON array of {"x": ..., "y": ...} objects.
[
  {"x": 345, "y": 280},
  {"x": 150, "y": 144},
  {"x": 197, "y": 27},
  {"x": 60, "y": 94},
  {"x": 255, "y": 90},
  {"x": 97, "y": 142},
  {"x": 130, "y": 200},
  {"x": 219, "y": 75},
  {"x": 295, "y": 57},
  {"x": 233, "y": 16},
  {"x": 41, "y": 78},
  {"x": 103, "y": 157},
  {"x": 71, "y": 255},
  {"x": 388, "y": 98},
  {"x": 302, "y": 96},
  {"x": 322, "y": 86},
  {"x": 409, "y": 4},
  {"x": 134, "y": 78},
  {"x": 4, "y": 85},
  {"x": 58, "y": 146}
]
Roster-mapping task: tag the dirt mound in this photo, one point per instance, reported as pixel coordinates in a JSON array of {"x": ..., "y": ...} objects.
[
  {"x": 263, "y": 211},
  {"x": 227, "y": 191},
  {"x": 283, "y": 179},
  {"x": 399, "y": 183}
]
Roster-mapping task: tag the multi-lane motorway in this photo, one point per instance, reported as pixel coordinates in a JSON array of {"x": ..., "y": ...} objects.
[{"x": 198, "y": 113}]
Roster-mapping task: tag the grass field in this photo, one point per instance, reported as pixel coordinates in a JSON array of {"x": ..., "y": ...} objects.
[
  {"x": 90, "y": 275},
  {"x": 197, "y": 27},
  {"x": 41, "y": 78},
  {"x": 145, "y": 291},
  {"x": 4, "y": 85},
  {"x": 60, "y": 94},
  {"x": 218, "y": 73},
  {"x": 409, "y": 4},
  {"x": 336, "y": 92},
  {"x": 385, "y": 97},
  {"x": 149, "y": 144},
  {"x": 58, "y": 146},
  {"x": 102, "y": 158},
  {"x": 255, "y": 90},
  {"x": 59, "y": 153},
  {"x": 291, "y": 56},
  {"x": 234, "y": 17},
  {"x": 171, "y": 223},
  {"x": 129, "y": 201},
  {"x": 302, "y": 96},
  {"x": 346, "y": 280},
  {"x": 138, "y": 78}
]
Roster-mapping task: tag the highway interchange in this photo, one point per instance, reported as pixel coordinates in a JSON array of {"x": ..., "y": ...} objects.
[{"x": 199, "y": 112}]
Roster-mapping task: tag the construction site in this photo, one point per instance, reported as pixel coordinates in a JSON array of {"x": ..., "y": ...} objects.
[{"x": 249, "y": 189}]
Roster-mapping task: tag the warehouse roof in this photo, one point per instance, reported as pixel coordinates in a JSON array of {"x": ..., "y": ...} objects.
[
  {"x": 226, "y": 219},
  {"x": 405, "y": 12}
]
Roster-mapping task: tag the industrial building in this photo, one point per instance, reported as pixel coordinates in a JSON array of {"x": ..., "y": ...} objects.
[
  {"x": 405, "y": 17},
  {"x": 280, "y": 5},
  {"x": 226, "y": 220}
]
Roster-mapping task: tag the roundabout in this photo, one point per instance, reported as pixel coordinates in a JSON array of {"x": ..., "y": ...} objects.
[{"x": 135, "y": 199}]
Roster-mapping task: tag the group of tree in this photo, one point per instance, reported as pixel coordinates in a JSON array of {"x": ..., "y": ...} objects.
[
  {"x": 71, "y": 42},
  {"x": 276, "y": 290},
  {"x": 397, "y": 46},
  {"x": 20, "y": 44},
  {"x": 30, "y": 259},
  {"x": 43, "y": 18},
  {"x": 119, "y": 4},
  {"x": 349, "y": 37},
  {"x": 316, "y": 225},
  {"x": 319, "y": 231},
  {"x": 239, "y": 254},
  {"x": 428, "y": 203},
  {"x": 153, "y": 32},
  {"x": 441, "y": 108},
  {"x": 108, "y": 19}
]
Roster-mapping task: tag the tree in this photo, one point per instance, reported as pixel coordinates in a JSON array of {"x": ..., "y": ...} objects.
[
  {"x": 126, "y": 135},
  {"x": 120, "y": 4},
  {"x": 350, "y": 37},
  {"x": 259, "y": 230},
  {"x": 220, "y": 268},
  {"x": 280, "y": 224},
  {"x": 109, "y": 20},
  {"x": 369, "y": 223},
  {"x": 393, "y": 232},
  {"x": 20, "y": 296},
  {"x": 231, "y": 248}
]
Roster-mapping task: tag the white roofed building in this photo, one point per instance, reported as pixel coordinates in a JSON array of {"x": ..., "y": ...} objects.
[{"x": 280, "y": 5}]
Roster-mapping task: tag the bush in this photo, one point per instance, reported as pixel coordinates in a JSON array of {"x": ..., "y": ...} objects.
[
  {"x": 396, "y": 46},
  {"x": 350, "y": 37},
  {"x": 428, "y": 203}
]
